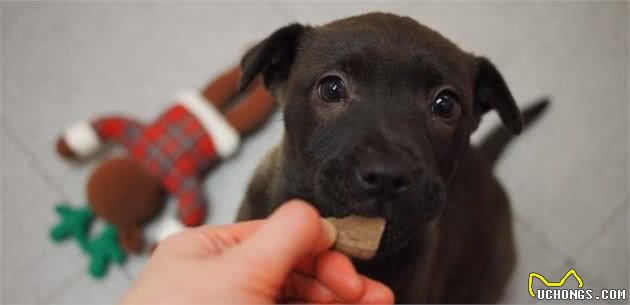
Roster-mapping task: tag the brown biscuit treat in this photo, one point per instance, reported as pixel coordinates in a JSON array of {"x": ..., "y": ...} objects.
[{"x": 358, "y": 236}]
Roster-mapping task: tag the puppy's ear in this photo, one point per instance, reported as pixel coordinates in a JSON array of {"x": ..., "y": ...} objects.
[
  {"x": 491, "y": 92},
  {"x": 272, "y": 56}
]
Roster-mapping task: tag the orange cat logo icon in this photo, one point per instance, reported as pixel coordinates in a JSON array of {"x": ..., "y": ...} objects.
[{"x": 552, "y": 284}]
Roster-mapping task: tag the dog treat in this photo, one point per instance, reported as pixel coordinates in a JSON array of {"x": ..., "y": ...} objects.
[{"x": 358, "y": 236}]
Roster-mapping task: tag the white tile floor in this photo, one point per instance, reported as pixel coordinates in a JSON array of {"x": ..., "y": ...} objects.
[{"x": 62, "y": 62}]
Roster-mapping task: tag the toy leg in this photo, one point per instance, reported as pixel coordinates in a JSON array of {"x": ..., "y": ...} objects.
[
  {"x": 224, "y": 87},
  {"x": 252, "y": 110},
  {"x": 131, "y": 239}
]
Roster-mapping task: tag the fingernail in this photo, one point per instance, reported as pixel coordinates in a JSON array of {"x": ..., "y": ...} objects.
[{"x": 329, "y": 231}]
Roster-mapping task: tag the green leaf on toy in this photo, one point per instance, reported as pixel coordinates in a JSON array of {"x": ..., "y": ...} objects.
[
  {"x": 104, "y": 249},
  {"x": 75, "y": 222}
]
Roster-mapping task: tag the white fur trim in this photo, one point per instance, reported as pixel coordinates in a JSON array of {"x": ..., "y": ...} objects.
[
  {"x": 82, "y": 139},
  {"x": 224, "y": 137},
  {"x": 168, "y": 227}
]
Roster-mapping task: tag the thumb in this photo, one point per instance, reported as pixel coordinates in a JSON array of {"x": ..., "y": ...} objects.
[{"x": 290, "y": 234}]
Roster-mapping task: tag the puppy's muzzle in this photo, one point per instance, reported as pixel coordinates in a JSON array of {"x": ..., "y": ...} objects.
[{"x": 382, "y": 176}]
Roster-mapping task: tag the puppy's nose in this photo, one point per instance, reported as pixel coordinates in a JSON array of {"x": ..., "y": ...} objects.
[{"x": 383, "y": 179}]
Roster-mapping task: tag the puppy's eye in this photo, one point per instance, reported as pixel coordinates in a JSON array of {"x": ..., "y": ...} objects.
[
  {"x": 332, "y": 89},
  {"x": 444, "y": 104}
]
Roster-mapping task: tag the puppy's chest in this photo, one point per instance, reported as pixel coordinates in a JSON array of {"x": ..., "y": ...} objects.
[{"x": 409, "y": 273}]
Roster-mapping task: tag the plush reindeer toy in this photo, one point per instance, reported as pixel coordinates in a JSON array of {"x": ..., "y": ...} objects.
[{"x": 166, "y": 157}]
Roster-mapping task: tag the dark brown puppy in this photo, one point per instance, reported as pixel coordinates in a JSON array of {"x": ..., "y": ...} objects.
[{"x": 378, "y": 111}]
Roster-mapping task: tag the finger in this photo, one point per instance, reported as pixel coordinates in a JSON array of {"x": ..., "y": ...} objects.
[
  {"x": 337, "y": 273},
  {"x": 218, "y": 239},
  {"x": 288, "y": 235},
  {"x": 376, "y": 293},
  {"x": 209, "y": 240},
  {"x": 307, "y": 289},
  {"x": 238, "y": 231},
  {"x": 307, "y": 266}
]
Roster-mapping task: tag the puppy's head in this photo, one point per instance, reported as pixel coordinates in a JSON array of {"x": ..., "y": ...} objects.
[{"x": 378, "y": 111}]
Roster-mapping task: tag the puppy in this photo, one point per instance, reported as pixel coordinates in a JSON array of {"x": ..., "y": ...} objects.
[{"x": 378, "y": 112}]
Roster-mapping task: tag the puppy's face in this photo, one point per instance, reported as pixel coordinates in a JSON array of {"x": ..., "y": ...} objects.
[{"x": 378, "y": 111}]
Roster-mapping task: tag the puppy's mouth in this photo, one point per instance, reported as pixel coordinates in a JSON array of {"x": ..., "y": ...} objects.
[
  {"x": 335, "y": 196},
  {"x": 395, "y": 237},
  {"x": 397, "y": 234}
]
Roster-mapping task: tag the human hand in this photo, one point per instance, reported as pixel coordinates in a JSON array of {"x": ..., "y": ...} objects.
[{"x": 285, "y": 258}]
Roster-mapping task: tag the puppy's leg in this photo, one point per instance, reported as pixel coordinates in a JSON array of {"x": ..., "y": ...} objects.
[
  {"x": 503, "y": 259},
  {"x": 257, "y": 201},
  {"x": 481, "y": 274}
]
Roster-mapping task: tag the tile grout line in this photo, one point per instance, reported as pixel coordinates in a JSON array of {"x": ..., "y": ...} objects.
[
  {"x": 603, "y": 228},
  {"x": 606, "y": 226},
  {"x": 538, "y": 236},
  {"x": 73, "y": 278},
  {"x": 7, "y": 130},
  {"x": 54, "y": 292},
  {"x": 30, "y": 155}
]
